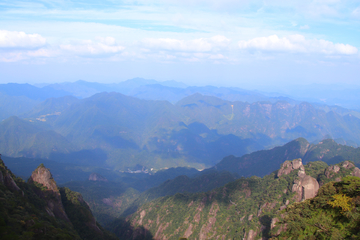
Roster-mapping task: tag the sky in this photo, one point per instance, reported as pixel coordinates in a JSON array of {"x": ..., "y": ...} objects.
[{"x": 239, "y": 43}]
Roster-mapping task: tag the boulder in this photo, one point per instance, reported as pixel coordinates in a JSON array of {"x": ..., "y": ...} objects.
[{"x": 305, "y": 187}]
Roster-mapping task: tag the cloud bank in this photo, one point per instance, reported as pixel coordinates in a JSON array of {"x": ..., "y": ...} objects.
[
  {"x": 101, "y": 46},
  {"x": 13, "y": 39},
  {"x": 296, "y": 44}
]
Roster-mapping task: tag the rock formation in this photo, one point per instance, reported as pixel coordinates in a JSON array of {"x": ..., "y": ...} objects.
[
  {"x": 332, "y": 170},
  {"x": 10, "y": 183},
  {"x": 288, "y": 166},
  {"x": 305, "y": 186},
  {"x": 42, "y": 175},
  {"x": 7, "y": 179},
  {"x": 349, "y": 165}
]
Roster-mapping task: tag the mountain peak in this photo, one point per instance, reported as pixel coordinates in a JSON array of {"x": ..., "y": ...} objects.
[{"x": 43, "y": 176}]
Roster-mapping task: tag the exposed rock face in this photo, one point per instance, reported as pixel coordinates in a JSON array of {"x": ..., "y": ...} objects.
[
  {"x": 305, "y": 186},
  {"x": 251, "y": 235},
  {"x": 43, "y": 176},
  {"x": 10, "y": 183},
  {"x": 356, "y": 172},
  {"x": 55, "y": 207},
  {"x": 288, "y": 166},
  {"x": 349, "y": 165},
  {"x": 6, "y": 178},
  {"x": 330, "y": 171},
  {"x": 97, "y": 177},
  {"x": 282, "y": 227}
]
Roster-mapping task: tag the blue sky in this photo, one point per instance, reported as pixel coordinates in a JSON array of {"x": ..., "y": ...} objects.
[{"x": 225, "y": 43}]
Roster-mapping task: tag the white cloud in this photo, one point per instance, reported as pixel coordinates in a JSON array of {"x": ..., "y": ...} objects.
[
  {"x": 99, "y": 47},
  {"x": 197, "y": 45},
  {"x": 13, "y": 39},
  {"x": 297, "y": 44}
]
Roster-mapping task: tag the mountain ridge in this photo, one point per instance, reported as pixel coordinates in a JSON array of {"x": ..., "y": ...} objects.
[{"x": 240, "y": 209}]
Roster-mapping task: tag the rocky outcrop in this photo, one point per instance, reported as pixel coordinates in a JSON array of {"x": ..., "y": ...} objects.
[
  {"x": 356, "y": 172},
  {"x": 10, "y": 183},
  {"x": 289, "y": 166},
  {"x": 304, "y": 186},
  {"x": 7, "y": 179},
  {"x": 43, "y": 176},
  {"x": 251, "y": 235},
  {"x": 350, "y": 165},
  {"x": 51, "y": 195},
  {"x": 97, "y": 177},
  {"x": 331, "y": 171}
]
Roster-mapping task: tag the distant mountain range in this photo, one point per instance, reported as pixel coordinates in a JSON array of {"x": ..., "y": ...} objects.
[{"x": 112, "y": 129}]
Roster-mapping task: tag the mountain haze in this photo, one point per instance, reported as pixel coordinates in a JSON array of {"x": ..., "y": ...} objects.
[{"x": 198, "y": 131}]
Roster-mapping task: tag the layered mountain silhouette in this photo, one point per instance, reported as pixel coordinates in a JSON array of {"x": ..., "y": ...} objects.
[{"x": 198, "y": 131}]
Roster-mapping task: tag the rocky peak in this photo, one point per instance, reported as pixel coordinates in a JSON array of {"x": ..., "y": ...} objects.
[
  {"x": 43, "y": 176},
  {"x": 288, "y": 166},
  {"x": 97, "y": 177}
]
